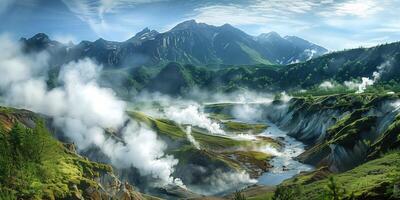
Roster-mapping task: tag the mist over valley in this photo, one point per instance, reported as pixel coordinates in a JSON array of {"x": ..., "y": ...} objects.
[{"x": 197, "y": 109}]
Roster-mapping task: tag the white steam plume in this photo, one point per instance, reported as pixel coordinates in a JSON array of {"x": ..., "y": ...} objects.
[
  {"x": 224, "y": 181},
  {"x": 251, "y": 112},
  {"x": 366, "y": 81},
  {"x": 191, "y": 138},
  {"x": 247, "y": 112},
  {"x": 144, "y": 151},
  {"x": 326, "y": 85},
  {"x": 82, "y": 109},
  {"x": 192, "y": 114}
]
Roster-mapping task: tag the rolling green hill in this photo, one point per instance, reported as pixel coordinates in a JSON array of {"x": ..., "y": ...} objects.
[
  {"x": 34, "y": 165},
  {"x": 376, "y": 179},
  {"x": 337, "y": 68}
]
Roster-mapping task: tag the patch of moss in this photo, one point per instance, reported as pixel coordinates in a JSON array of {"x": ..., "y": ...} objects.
[
  {"x": 372, "y": 180},
  {"x": 258, "y": 162},
  {"x": 350, "y": 134},
  {"x": 219, "y": 150},
  {"x": 214, "y": 142},
  {"x": 389, "y": 140},
  {"x": 343, "y": 102},
  {"x": 220, "y": 108},
  {"x": 36, "y": 166},
  {"x": 241, "y": 127},
  {"x": 220, "y": 116}
]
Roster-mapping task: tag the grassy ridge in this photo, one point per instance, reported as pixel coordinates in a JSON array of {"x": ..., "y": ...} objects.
[
  {"x": 214, "y": 142},
  {"x": 374, "y": 176},
  {"x": 240, "y": 127},
  {"x": 376, "y": 179},
  {"x": 36, "y": 166},
  {"x": 370, "y": 180},
  {"x": 234, "y": 154}
]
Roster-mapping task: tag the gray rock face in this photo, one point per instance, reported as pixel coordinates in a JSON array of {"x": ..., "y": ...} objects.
[{"x": 188, "y": 42}]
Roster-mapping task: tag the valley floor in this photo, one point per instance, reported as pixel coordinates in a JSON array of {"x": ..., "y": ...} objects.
[{"x": 351, "y": 153}]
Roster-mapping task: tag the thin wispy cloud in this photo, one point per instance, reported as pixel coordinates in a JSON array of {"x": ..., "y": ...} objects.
[
  {"x": 256, "y": 12},
  {"x": 94, "y": 13},
  {"x": 231, "y": 14},
  {"x": 345, "y": 22},
  {"x": 388, "y": 27},
  {"x": 357, "y": 8}
]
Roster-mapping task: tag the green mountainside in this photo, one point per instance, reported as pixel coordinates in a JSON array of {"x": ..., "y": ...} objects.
[
  {"x": 376, "y": 179},
  {"x": 337, "y": 68},
  {"x": 188, "y": 42},
  {"x": 34, "y": 165},
  {"x": 352, "y": 138},
  {"x": 353, "y": 141}
]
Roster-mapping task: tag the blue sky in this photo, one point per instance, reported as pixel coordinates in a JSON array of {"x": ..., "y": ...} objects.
[{"x": 334, "y": 24}]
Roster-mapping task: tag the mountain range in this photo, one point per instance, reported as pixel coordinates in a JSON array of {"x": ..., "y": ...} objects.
[
  {"x": 351, "y": 139},
  {"x": 379, "y": 64},
  {"x": 197, "y": 55},
  {"x": 188, "y": 42}
]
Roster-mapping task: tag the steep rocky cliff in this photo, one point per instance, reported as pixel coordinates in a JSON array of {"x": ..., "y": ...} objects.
[{"x": 342, "y": 131}]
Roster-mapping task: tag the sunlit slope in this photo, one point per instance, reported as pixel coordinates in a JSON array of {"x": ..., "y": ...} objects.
[
  {"x": 376, "y": 179},
  {"x": 34, "y": 165},
  {"x": 337, "y": 67},
  {"x": 234, "y": 154},
  {"x": 352, "y": 137}
]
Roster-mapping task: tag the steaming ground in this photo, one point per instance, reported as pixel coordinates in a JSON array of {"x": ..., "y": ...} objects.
[
  {"x": 191, "y": 138},
  {"x": 247, "y": 108},
  {"x": 192, "y": 114},
  {"x": 361, "y": 85},
  {"x": 83, "y": 110}
]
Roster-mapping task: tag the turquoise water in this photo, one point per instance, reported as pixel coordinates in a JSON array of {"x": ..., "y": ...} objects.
[{"x": 284, "y": 165}]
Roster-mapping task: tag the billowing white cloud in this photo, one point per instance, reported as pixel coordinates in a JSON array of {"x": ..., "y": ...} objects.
[
  {"x": 82, "y": 110},
  {"x": 358, "y": 8}
]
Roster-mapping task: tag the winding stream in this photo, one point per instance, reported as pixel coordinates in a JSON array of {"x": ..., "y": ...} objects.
[{"x": 284, "y": 165}]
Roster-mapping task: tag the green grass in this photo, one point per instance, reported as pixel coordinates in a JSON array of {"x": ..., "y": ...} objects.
[
  {"x": 389, "y": 140},
  {"x": 220, "y": 108},
  {"x": 213, "y": 142},
  {"x": 372, "y": 180},
  {"x": 241, "y": 127},
  {"x": 355, "y": 127},
  {"x": 34, "y": 165},
  {"x": 187, "y": 154},
  {"x": 216, "y": 150},
  {"x": 40, "y": 167},
  {"x": 255, "y": 154},
  {"x": 254, "y": 55},
  {"x": 218, "y": 116},
  {"x": 265, "y": 196}
]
